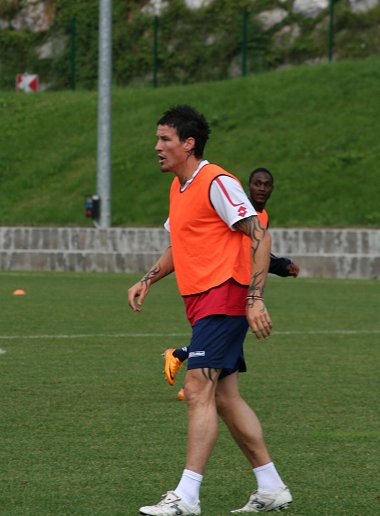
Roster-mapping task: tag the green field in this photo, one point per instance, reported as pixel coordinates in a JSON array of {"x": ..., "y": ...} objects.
[
  {"x": 89, "y": 426},
  {"x": 315, "y": 127}
]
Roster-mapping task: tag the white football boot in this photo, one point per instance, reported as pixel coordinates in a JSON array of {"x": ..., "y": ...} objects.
[
  {"x": 171, "y": 505},
  {"x": 266, "y": 502}
]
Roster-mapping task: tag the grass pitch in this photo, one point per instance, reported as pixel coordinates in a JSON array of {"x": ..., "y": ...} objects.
[{"x": 89, "y": 426}]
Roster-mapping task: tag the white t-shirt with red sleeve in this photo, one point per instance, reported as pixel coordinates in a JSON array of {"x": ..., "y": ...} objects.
[{"x": 227, "y": 197}]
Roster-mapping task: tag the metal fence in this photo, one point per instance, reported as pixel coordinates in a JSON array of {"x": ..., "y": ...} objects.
[{"x": 178, "y": 47}]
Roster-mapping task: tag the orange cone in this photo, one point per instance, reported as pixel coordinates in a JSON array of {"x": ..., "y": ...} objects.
[
  {"x": 19, "y": 292},
  {"x": 181, "y": 394}
]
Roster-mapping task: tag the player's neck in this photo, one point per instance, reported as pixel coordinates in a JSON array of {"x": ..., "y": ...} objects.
[
  {"x": 258, "y": 206},
  {"x": 187, "y": 170}
]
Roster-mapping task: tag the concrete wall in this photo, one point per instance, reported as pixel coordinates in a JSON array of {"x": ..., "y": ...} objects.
[
  {"x": 339, "y": 253},
  {"x": 334, "y": 253}
]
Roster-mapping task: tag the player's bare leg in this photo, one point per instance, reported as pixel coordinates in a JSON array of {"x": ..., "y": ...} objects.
[
  {"x": 200, "y": 385},
  {"x": 272, "y": 494},
  {"x": 241, "y": 421}
]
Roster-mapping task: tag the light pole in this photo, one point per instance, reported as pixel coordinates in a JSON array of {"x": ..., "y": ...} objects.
[
  {"x": 104, "y": 113},
  {"x": 330, "y": 41}
]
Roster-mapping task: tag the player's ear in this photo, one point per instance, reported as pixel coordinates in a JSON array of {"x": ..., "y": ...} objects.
[{"x": 189, "y": 144}]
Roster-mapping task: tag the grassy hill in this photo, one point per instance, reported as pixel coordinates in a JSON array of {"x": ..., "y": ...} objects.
[{"x": 316, "y": 128}]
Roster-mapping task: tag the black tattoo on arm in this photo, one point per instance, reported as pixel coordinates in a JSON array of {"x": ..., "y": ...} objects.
[
  {"x": 150, "y": 274},
  {"x": 252, "y": 227},
  {"x": 256, "y": 288},
  {"x": 251, "y": 302},
  {"x": 162, "y": 268}
]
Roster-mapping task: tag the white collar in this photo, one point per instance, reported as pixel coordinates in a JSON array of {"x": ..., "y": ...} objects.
[{"x": 201, "y": 165}]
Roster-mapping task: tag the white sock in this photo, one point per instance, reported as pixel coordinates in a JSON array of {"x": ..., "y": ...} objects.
[
  {"x": 267, "y": 477},
  {"x": 189, "y": 486}
]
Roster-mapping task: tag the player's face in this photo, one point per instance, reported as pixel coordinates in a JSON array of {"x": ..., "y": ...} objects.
[
  {"x": 172, "y": 152},
  {"x": 260, "y": 188}
]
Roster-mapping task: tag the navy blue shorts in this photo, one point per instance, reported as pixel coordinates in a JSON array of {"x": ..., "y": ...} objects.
[{"x": 217, "y": 342}]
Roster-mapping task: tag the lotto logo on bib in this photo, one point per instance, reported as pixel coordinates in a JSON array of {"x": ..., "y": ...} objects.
[
  {"x": 194, "y": 354},
  {"x": 242, "y": 211}
]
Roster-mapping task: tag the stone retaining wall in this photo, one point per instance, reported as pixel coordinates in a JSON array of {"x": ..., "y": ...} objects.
[
  {"x": 334, "y": 253},
  {"x": 339, "y": 253}
]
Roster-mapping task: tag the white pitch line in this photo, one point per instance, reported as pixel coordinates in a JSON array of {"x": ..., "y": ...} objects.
[
  {"x": 328, "y": 332},
  {"x": 144, "y": 335},
  {"x": 94, "y": 335}
]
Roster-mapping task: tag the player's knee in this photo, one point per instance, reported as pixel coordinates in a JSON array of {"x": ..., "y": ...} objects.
[
  {"x": 222, "y": 402},
  {"x": 198, "y": 388},
  {"x": 225, "y": 401}
]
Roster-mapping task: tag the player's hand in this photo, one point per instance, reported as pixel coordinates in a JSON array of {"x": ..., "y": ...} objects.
[
  {"x": 293, "y": 269},
  {"x": 258, "y": 318},
  {"x": 136, "y": 295}
]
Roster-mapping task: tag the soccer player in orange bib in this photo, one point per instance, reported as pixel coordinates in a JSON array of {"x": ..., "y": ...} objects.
[{"x": 222, "y": 281}]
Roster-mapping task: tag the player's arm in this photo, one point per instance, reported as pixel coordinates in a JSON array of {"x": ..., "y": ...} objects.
[
  {"x": 283, "y": 266},
  {"x": 233, "y": 206},
  {"x": 257, "y": 314},
  {"x": 138, "y": 292}
]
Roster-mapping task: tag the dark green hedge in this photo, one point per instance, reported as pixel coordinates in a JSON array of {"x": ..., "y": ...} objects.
[{"x": 193, "y": 45}]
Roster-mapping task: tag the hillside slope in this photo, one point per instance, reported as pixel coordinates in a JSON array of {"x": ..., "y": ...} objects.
[
  {"x": 317, "y": 128},
  {"x": 194, "y": 40}
]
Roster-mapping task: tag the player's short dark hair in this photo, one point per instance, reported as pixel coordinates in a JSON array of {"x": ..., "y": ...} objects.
[
  {"x": 261, "y": 169},
  {"x": 188, "y": 123}
]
